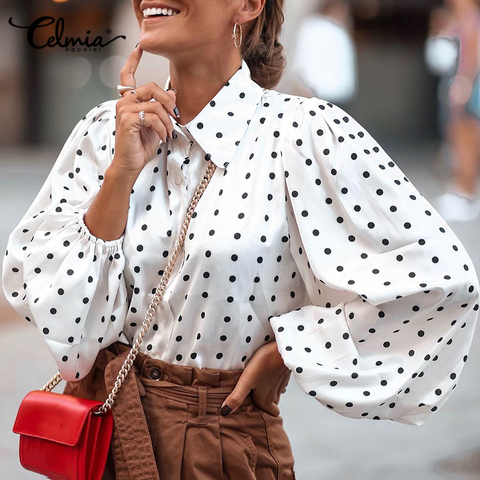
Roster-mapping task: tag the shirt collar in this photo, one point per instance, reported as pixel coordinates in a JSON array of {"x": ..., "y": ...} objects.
[{"x": 221, "y": 124}]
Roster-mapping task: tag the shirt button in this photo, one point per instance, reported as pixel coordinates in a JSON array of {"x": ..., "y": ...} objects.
[
  {"x": 178, "y": 180},
  {"x": 155, "y": 373}
]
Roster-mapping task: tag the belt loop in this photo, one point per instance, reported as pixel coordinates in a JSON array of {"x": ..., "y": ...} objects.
[{"x": 202, "y": 404}]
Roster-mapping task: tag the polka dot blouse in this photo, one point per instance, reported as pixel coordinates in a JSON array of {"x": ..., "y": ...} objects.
[{"x": 308, "y": 234}]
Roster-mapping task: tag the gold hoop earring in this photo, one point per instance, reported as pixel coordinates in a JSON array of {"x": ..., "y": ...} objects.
[{"x": 234, "y": 35}]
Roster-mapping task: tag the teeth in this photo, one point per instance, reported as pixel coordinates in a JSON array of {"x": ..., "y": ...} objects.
[{"x": 148, "y": 12}]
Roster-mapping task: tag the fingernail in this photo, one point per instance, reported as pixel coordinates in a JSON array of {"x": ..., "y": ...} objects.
[
  {"x": 225, "y": 410},
  {"x": 137, "y": 44},
  {"x": 177, "y": 113}
]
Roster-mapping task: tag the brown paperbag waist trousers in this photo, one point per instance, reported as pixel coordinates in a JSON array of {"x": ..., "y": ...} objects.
[{"x": 168, "y": 426}]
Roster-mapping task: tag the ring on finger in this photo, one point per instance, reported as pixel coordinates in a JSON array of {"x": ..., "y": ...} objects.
[
  {"x": 141, "y": 114},
  {"x": 120, "y": 89}
]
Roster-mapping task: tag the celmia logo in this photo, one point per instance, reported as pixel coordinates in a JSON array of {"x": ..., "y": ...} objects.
[{"x": 71, "y": 44}]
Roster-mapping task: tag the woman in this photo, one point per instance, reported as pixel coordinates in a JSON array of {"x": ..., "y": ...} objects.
[
  {"x": 309, "y": 252},
  {"x": 462, "y": 202}
]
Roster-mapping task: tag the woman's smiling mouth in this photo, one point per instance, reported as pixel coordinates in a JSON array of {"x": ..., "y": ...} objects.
[{"x": 159, "y": 12}]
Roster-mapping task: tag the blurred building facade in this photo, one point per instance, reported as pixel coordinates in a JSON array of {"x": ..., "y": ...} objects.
[{"x": 45, "y": 91}]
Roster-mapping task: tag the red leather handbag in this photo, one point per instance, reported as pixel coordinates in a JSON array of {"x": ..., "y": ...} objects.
[
  {"x": 68, "y": 438},
  {"x": 61, "y": 437}
]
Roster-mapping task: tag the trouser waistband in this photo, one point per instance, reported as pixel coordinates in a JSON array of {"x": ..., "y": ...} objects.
[{"x": 185, "y": 384}]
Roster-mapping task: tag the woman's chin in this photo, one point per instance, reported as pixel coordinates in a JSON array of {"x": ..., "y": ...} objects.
[{"x": 150, "y": 44}]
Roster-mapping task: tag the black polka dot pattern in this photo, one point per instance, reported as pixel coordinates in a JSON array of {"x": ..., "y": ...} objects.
[
  {"x": 392, "y": 294},
  {"x": 57, "y": 275},
  {"x": 308, "y": 233}
]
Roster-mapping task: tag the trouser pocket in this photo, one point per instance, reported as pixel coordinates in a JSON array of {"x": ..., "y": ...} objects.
[{"x": 274, "y": 454}]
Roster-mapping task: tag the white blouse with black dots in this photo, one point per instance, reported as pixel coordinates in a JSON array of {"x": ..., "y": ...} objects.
[{"x": 308, "y": 233}]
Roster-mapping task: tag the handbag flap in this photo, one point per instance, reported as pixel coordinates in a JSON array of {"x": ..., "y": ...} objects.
[{"x": 53, "y": 416}]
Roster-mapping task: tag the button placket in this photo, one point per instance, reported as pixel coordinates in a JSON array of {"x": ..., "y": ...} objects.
[
  {"x": 178, "y": 265},
  {"x": 181, "y": 198},
  {"x": 186, "y": 164}
]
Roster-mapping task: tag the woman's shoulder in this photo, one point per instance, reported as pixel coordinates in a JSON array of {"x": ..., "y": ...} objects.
[
  {"x": 91, "y": 140},
  {"x": 300, "y": 110},
  {"x": 281, "y": 102},
  {"x": 99, "y": 118},
  {"x": 96, "y": 124},
  {"x": 104, "y": 110}
]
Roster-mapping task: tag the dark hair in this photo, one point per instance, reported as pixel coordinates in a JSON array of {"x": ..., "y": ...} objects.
[{"x": 261, "y": 49}]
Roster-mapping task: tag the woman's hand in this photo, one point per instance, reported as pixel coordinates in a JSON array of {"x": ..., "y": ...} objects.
[
  {"x": 265, "y": 374},
  {"x": 135, "y": 144}
]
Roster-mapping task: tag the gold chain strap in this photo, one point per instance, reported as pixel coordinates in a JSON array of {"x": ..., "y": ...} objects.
[{"x": 158, "y": 297}]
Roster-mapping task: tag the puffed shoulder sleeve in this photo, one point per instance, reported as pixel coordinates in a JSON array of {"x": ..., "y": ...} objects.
[
  {"x": 392, "y": 293},
  {"x": 56, "y": 274}
]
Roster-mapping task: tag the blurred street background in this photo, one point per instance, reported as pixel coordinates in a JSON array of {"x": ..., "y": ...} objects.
[{"x": 405, "y": 69}]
